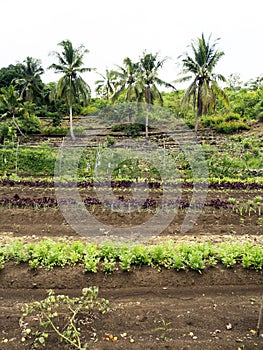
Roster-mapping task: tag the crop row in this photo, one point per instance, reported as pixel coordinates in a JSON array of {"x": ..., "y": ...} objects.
[
  {"x": 251, "y": 206},
  {"x": 50, "y": 202},
  {"x": 233, "y": 184},
  {"x": 109, "y": 257}
]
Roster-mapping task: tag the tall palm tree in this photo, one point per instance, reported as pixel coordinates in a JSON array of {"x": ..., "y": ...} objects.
[
  {"x": 204, "y": 89},
  {"x": 11, "y": 102},
  {"x": 126, "y": 85},
  {"x": 105, "y": 86},
  {"x": 127, "y": 77},
  {"x": 71, "y": 85},
  {"x": 149, "y": 66},
  {"x": 30, "y": 84}
]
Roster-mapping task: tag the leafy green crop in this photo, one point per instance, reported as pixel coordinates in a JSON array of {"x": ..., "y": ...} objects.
[{"x": 109, "y": 257}]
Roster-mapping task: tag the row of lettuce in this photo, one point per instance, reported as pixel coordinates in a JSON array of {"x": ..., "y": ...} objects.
[
  {"x": 109, "y": 257},
  {"x": 250, "y": 183}
]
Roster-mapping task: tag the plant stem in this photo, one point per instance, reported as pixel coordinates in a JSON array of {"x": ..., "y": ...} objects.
[{"x": 60, "y": 334}]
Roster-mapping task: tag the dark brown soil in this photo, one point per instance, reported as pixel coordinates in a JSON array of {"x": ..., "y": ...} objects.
[
  {"x": 197, "y": 307},
  {"x": 213, "y": 223}
]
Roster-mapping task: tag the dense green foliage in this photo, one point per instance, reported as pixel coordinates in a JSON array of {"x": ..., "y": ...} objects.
[
  {"x": 28, "y": 161},
  {"x": 129, "y": 129},
  {"x": 28, "y": 106},
  {"x": 133, "y": 81},
  {"x": 109, "y": 257},
  {"x": 237, "y": 156}
]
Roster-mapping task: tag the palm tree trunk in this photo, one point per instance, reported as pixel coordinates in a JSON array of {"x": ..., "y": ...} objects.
[
  {"x": 70, "y": 110},
  {"x": 147, "y": 121},
  {"x": 148, "y": 101},
  {"x": 196, "y": 122},
  {"x": 71, "y": 123},
  {"x": 199, "y": 109}
]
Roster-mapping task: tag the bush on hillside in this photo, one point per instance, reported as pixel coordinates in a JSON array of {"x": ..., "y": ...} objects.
[
  {"x": 29, "y": 124},
  {"x": 231, "y": 127}
]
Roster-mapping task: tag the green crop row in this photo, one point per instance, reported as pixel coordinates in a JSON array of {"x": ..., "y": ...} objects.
[{"x": 109, "y": 257}]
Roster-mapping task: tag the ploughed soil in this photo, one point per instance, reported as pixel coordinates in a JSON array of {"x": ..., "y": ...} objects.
[
  {"x": 215, "y": 222},
  {"x": 166, "y": 309},
  {"x": 217, "y": 309}
]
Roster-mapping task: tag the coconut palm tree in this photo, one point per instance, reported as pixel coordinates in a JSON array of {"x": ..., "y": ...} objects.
[
  {"x": 105, "y": 86},
  {"x": 148, "y": 82},
  {"x": 126, "y": 85},
  {"x": 204, "y": 89},
  {"x": 127, "y": 78},
  {"x": 71, "y": 85},
  {"x": 11, "y": 103},
  {"x": 30, "y": 83}
]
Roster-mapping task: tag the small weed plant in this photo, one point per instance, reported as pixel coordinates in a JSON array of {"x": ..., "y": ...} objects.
[
  {"x": 165, "y": 330},
  {"x": 61, "y": 317}
]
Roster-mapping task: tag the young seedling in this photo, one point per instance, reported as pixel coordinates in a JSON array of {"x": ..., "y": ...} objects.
[
  {"x": 165, "y": 330},
  {"x": 250, "y": 207}
]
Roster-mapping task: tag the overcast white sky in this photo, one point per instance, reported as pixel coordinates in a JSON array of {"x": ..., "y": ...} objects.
[{"x": 115, "y": 29}]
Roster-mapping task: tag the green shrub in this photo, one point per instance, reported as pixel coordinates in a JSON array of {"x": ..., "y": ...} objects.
[
  {"x": 117, "y": 127},
  {"x": 89, "y": 110},
  {"x": 232, "y": 117},
  {"x": 231, "y": 127},
  {"x": 110, "y": 140},
  {"x": 190, "y": 123},
  {"x": 28, "y": 160},
  {"x": 55, "y": 130},
  {"x": 129, "y": 129},
  {"x": 3, "y": 131},
  {"x": 62, "y": 131},
  {"x": 55, "y": 117},
  {"x": 211, "y": 121},
  {"x": 29, "y": 124},
  {"x": 36, "y": 161},
  {"x": 94, "y": 105}
]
